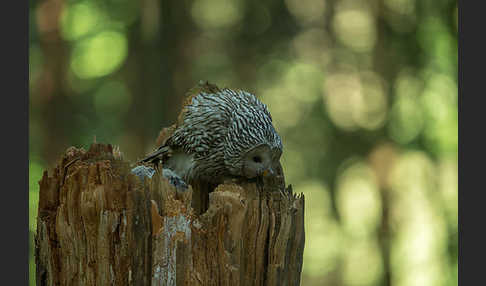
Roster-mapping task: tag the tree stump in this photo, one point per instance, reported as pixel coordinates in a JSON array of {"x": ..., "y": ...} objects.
[{"x": 99, "y": 224}]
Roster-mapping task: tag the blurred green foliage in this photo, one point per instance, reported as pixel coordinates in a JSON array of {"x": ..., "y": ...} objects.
[{"x": 364, "y": 94}]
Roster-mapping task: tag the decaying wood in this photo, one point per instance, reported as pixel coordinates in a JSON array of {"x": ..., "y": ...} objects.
[{"x": 98, "y": 224}]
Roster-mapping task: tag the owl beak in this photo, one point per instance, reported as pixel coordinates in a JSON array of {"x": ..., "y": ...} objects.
[{"x": 268, "y": 172}]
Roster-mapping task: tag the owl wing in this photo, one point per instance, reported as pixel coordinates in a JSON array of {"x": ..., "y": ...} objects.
[{"x": 158, "y": 155}]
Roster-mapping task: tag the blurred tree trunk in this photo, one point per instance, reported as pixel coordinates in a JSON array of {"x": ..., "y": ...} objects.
[
  {"x": 52, "y": 86},
  {"x": 98, "y": 224}
]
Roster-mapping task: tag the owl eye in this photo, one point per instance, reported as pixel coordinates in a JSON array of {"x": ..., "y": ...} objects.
[{"x": 257, "y": 159}]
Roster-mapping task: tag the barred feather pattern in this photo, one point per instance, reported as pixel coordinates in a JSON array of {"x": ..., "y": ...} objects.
[{"x": 219, "y": 128}]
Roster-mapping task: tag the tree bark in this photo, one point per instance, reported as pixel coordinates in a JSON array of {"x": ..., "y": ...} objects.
[{"x": 99, "y": 224}]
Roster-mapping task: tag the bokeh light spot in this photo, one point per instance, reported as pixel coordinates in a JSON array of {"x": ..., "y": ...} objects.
[
  {"x": 341, "y": 93},
  {"x": 406, "y": 119},
  {"x": 323, "y": 229},
  {"x": 448, "y": 186},
  {"x": 401, "y": 6},
  {"x": 355, "y": 100},
  {"x": 440, "y": 102},
  {"x": 371, "y": 111},
  {"x": 213, "y": 14},
  {"x": 413, "y": 173},
  {"x": 79, "y": 19},
  {"x": 291, "y": 96},
  {"x": 312, "y": 46},
  {"x": 363, "y": 264},
  {"x": 358, "y": 200},
  {"x": 99, "y": 55},
  {"x": 355, "y": 29},
  {"x": 419, "y": 249},
  {"x": 299, "y": 73},
  {"x": 306, "y": 11}
]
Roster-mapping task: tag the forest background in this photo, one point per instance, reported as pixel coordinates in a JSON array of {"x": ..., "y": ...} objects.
[{"x": 363, "y": 93}]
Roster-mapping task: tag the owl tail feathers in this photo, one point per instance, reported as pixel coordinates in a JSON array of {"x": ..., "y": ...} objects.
[{"x": 156, "y": 155}]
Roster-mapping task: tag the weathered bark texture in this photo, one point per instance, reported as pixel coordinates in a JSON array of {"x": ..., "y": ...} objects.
[{"x": 98, "y": 224}]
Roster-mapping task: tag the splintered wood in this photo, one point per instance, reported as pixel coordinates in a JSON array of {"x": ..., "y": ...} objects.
[{"x": 98, "y": 224}]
